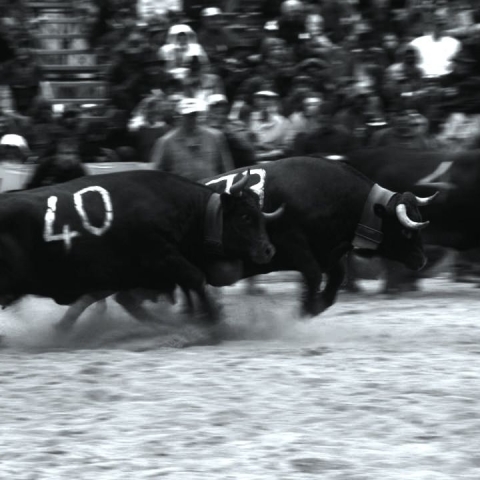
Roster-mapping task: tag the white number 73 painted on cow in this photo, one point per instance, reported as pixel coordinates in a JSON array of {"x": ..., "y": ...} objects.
[
  {"x": 258, "y": 188},
  {"x": 67, "y": 234}
]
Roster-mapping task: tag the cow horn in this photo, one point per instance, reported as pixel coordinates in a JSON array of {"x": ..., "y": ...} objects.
[
  {"x": 401, "y": 211},
  {"x": 274, "y": 215},
  {"x": 421, "y": 202},
  {"x": 237, "y": 187}
]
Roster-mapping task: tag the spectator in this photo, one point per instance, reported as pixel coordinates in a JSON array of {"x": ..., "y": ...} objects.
[
  {"x": 269, "y": 128},
  {"x": 181, "y": 45},
  {"x": 305, "y": 118},
  {"x": 154, "y": 78},
  {"x": 125, "y": 75},
  {"x": 326, "y": 138},
  {"x": 42, "y": 131},
  {"x": 276, "y": 66},
  {"x": 408, "y": 130},
  {"x": 61, "y": 163},
  {"x": 93, "y": 139},
  {"x": 436, "y": 50},
  {"x": 70, "y": 124},
  {"x": 112, "y": 26},
  {"x": 157, "y": 28},
  {"x": 315, "y": 42},
  {"x": 360, "y": 115},
  {"x": 291, "y": 23},
  {"x": 192, "y": 150},
  {"x": 238, "y": 137},
  {"x": 405, "y": 75},
  {"x": 23, "y": 76},
  {"x": 214, "y": 38},
  {"x": 10, "y": 123},
  {"x": 150, "y": 125},
  {"x": 200, "y": 83},
  {"x": 13, "y": 149}
]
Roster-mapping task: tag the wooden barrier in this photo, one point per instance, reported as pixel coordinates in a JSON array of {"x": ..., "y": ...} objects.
[{"x": 15, "y": 176}]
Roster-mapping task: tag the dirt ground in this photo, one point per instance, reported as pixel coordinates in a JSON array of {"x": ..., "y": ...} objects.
[{"x": 377, "y": 388}]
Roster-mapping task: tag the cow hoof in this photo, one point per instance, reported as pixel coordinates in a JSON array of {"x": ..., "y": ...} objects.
[{"x": 312, "y": 309}]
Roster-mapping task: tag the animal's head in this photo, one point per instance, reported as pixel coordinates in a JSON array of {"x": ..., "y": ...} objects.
[
  {"x": 401, "y": 227},
  {"x": 244, "y": 231}
]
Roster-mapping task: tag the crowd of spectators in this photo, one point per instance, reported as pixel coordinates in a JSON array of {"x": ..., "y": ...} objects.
[{"x": 219, "y": 85}]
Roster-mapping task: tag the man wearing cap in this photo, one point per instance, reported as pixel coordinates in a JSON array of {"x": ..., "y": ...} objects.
[
  {"x": 13, "y": 148},
  {"x": 271, "y": 130},
  {"x": 236, "y": 133},
  {"x": 213, "y": 37},
  {"x": 192, "y": 150}
]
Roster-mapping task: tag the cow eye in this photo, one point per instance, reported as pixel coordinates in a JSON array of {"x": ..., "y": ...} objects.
[{"x": 407, "y": 233}]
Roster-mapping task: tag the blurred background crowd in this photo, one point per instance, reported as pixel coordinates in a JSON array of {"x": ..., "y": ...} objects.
[{"x": 210, "y": 85}]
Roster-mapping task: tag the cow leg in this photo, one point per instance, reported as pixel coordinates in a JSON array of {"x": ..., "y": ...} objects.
[
  {"x": 190, "y": 279},
  {"x": 335, "y": 276},
  {"x": 76, "y": 309},
  {"x": 132, "y": 304},
  {"x": 294, "y": 253}
]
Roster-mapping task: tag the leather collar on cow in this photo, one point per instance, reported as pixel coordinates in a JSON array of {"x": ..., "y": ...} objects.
[
  {"x": 214, "y": 225},
  {"x": 368, "y": 234}
]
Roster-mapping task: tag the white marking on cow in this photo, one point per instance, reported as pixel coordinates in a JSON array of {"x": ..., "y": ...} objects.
[
  {"x": 107, "y": 202},
  {"x": 258, "y": 188},
  {"x": 436, "y": 174},
  {"x": 48, "y": 235},
  {"x": 67, "y": 234}
]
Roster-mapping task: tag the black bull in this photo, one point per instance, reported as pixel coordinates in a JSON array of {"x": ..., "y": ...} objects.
[
  {"x": 328, "y": 208},
  {"x": 456, "y": 175},
  {"x": 101, "y": 234}
]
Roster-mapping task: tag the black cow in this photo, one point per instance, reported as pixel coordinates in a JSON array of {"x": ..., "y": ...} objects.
[
  {"x": 123, "y": 231},
  {"x": 329, "y": 208},
  {"x": 455, "y": 174}
]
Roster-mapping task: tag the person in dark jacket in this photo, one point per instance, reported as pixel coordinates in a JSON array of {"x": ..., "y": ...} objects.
[{"x": 61, "y": 164}]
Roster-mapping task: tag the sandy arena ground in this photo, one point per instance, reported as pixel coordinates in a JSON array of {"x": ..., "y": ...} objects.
[{"x": 377, "y": 388}]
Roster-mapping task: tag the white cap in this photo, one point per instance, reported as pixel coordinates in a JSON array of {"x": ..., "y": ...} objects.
[
  {"x": 14, "y": 141},
  {"x": 266, "y": 93},
  {"x": 190, "y": 105},
  {"x": 216, "y": 98},
  {"x": 211, "y": 11}
]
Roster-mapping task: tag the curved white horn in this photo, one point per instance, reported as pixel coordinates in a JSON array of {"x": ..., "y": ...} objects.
[
  {"x": 237, "y": 187},
  {"x": 401, "y": 211},
  {"x": 274, "y": 215},
  {"x": 421, "y": 202}
]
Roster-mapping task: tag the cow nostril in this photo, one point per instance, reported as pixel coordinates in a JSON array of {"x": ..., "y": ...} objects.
[{"x": 270, "y": 251}]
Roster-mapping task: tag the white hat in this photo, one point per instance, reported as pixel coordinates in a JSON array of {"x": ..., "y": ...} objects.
[
  {"x": 14, "y": 141},
  {"x": 211, "y": 11},
  {"x": 216, "y": 98},
  {"x": 190, "y": 105},
  {"x": 266, "y": 93}
]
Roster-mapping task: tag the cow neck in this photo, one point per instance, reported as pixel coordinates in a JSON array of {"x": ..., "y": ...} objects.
[
  {"x": 368, "y": 234},
  {"x": 214, "y": 225}
]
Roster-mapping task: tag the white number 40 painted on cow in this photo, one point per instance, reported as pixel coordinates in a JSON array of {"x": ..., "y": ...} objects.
[{"x": 67, "y": 234}]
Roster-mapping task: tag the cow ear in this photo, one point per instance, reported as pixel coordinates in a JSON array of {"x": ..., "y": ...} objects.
[{"x": 380, "y": 210}]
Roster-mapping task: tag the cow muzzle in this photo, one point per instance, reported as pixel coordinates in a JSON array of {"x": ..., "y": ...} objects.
[{"x": 264, "y": 253}]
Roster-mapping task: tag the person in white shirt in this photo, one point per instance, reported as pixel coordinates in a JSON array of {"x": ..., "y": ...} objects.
[{"x": 436, "y": 50}]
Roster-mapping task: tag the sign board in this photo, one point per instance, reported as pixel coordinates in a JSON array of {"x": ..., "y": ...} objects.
[
  {"x": 53, "y": 27},
  {"x": 69, "y": 59},
  {"x": 79, "y": 90}
]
